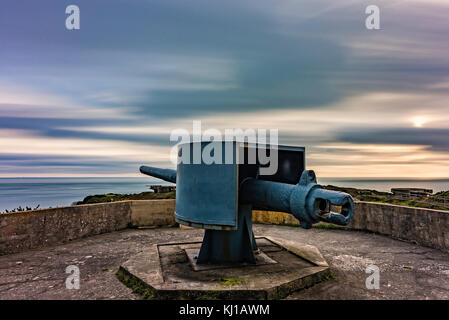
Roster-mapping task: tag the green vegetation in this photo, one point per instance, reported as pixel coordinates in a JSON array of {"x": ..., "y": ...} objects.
[
  {"x": 327, "y": 226},
  {"x": 442, "y": 194},
  {"x": 111, "y": 197},
  {"x": 360, "y": 194},
  {"x": 19, "y": 209},
  {"x": 412, "y": 203},
  {"x": 431, "y": 202},
  {"x": 137, "y": 286},
  {"x": 231, "y": 282},
  {"x": 148, "y": 293},
  {"x": 408, "y": 267},
  {"x": 329, "y": 276},
  {"x": 319, "y": 225}
]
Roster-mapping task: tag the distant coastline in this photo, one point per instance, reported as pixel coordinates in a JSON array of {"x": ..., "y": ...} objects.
[
  {"x": 54, "y": 192},
  {"x": 385, "y": 185}
]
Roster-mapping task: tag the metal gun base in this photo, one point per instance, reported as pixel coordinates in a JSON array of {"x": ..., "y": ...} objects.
[{"x": 220, "y": 246}]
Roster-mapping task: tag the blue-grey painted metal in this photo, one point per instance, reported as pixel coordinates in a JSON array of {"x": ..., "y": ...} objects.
[
  {"x": 207, "y": 194},
  {"x": 220, "y": 197},
  {"x": 307, "y": 200},
  {"x": 164, "y": 174},
  {"x": 291, "y": 163},
  {"x": 230, "y": 246}
]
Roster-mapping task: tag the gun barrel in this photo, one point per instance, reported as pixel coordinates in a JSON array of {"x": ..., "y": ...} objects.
[
  {"x": 164, "y": 174},
  {"x": 308, "y": 202},
  {"x": 274, "y": 196}
]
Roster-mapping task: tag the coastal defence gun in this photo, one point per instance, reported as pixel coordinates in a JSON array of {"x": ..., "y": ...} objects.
[{"x": 221, "y": 195}]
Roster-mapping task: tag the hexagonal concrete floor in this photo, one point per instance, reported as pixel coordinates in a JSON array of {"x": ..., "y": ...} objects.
[{"x": 407, "y": 271}]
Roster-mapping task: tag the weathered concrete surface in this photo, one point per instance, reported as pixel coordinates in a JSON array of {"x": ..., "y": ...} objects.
[
  {"x": 424, "y": 226},
  {"x": 145, "y": 213},
  {"x": 282, "y": 267},
  {"x": 407, "y": 271},
  {"x": 21, "y": 231},
  {"x": 33, "y": 229}
]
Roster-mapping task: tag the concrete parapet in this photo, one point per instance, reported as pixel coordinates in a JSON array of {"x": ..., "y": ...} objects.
[
  {"x": 426, "y": 227},
  {"x": 32, "y": 229},
  {"x": 149, "y": 213},
  {"x": 25, "y": 230}
]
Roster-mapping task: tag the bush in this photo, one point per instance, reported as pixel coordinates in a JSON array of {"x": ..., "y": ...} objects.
[{"x": 19, "y": 209}]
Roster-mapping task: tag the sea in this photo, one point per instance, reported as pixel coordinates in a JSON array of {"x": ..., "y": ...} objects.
[{"x": 57, "y": 192}]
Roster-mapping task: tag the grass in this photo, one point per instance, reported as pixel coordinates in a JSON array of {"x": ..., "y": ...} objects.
[
  {"x": 20, "y": 209},
  {"x": 320, "y": 225},
  {"x": 112, "y": 197},
  {"x": 231, "y": 282},
  {"x": 135, "y": 285},
  {"x": 327, "y": 226},
  {"x": 386, "y": 197},
  {"x": 329, "y": 276}
]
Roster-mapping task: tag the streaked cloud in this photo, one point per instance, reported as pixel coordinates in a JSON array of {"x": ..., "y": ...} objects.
[{"x": 364, "y": 103}]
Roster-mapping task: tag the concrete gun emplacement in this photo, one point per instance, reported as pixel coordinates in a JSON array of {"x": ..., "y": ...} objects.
[{"x": 220, "y": 197}]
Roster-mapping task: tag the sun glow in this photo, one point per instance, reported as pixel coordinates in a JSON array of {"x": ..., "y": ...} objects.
[{"x": 419, "y": 122}]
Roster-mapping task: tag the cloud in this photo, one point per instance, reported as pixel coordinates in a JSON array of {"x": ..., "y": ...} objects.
[
  {"x": 435, "y": 139},
  {"x": 115, "y": 89}
]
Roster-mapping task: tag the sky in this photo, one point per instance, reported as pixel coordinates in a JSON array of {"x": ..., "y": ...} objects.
[{"x": 102, "y": 100}]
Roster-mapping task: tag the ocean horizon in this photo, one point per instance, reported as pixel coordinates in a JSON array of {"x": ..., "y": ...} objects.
[{"x": 57, "y": 192}]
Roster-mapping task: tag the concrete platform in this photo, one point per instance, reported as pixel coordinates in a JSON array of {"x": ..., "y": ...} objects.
[
  {"x": 407, "y": 270},
  {"x": 165, "y": 271},
  {"x": 193, "y": 252}
]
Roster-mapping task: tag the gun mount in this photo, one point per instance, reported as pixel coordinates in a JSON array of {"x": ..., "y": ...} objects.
[{"x": 219, "y": 197}]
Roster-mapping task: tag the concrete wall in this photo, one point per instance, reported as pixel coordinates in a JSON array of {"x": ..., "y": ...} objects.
[
  {"x": 146, "y": 213},
  {"x": 426, "y": 227},
  {"x": 32, "y": 229}
]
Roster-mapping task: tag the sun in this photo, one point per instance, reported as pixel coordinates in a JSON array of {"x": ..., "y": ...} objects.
[{"x": 419, "y": 122}]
